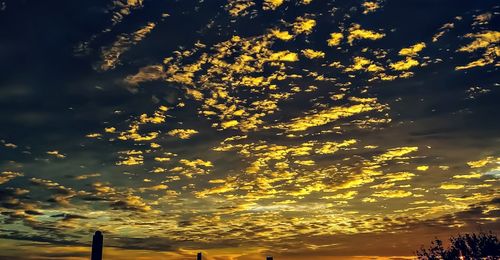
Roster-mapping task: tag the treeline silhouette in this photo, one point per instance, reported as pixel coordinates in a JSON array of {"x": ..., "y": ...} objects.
[{"x": 465, "y": 247}]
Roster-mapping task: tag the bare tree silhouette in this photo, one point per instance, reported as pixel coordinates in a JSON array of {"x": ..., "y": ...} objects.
[{"x": 467, "y": 247}]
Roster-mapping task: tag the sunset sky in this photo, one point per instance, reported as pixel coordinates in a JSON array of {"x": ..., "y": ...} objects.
[{"x": 301, "y": 129}]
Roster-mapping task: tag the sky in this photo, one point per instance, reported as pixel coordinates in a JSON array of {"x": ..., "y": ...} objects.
[{"x": 301, "y": 129}]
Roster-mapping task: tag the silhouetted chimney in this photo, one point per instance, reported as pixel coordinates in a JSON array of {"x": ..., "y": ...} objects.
[
  {"x": 97, "y": 246},
  {"x": 269, "y": 258},
  {"x": 198, "y": 256}
]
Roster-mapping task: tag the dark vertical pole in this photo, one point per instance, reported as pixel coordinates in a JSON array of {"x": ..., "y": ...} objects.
[
  {"x": 97, "y": 246},
  {"x": 269, "y": 258},
  {"x": 198, "y": 256}
]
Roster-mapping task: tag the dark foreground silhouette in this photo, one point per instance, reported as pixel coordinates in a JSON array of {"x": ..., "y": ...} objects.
[
  {"x": 466, "y": 247},
  {"x": 97, "y": 240},
  {"x": 469, "y": 246},
  {"x": 97, "y": 244}
]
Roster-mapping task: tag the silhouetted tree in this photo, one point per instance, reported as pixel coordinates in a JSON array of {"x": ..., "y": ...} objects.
[{"x": 469, "y": 246}]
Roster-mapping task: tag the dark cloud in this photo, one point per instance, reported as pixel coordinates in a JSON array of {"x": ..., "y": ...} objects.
[{"x": 67, "y": 217}]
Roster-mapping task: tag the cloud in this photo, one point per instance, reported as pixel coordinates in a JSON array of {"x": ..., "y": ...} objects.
[
  {"x": 238, "y": 7},
  {"x": 312, "y": 54},
  {"x": 468, "y": 176},
  {"x": 481, "y": 163},
  {"x": 392, "y": 194},
  {"x": 284, "y": 56},
  {"x": 110, "y": 55},
  {"x": 361, "y": 63},
  {"x": 303, "y": 25},
  {"x": 398, "y": 176},
  {"x": 68, "y": 217},
  {"x": 487, "y": 41},
  {"x": 357, "y": 33},
  {"x": 404, "y": 64},
  {"x": 282, "y": 35},
  {"x": 451, "y": 186},
  {"x": 61, "y": 194},
  {"x": 6, "y": 176},
  {"x": 335, "y": 39},
  {"x": 272, "y": 4},
  {"x": 183, "y": 133},
  {"x": 370, "y": 6},
  {"x": 412, "y": 50},
  {"x": 131, "y": 203},
  {"x": 87, "y": 176},
  {"x": 329, "y": 115},
  {"x": 422, "y": 168},
  {"x": 132, "y": 157},
  {"x": 148, "y": 73},
  {"x": 56, "y": 154}
]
